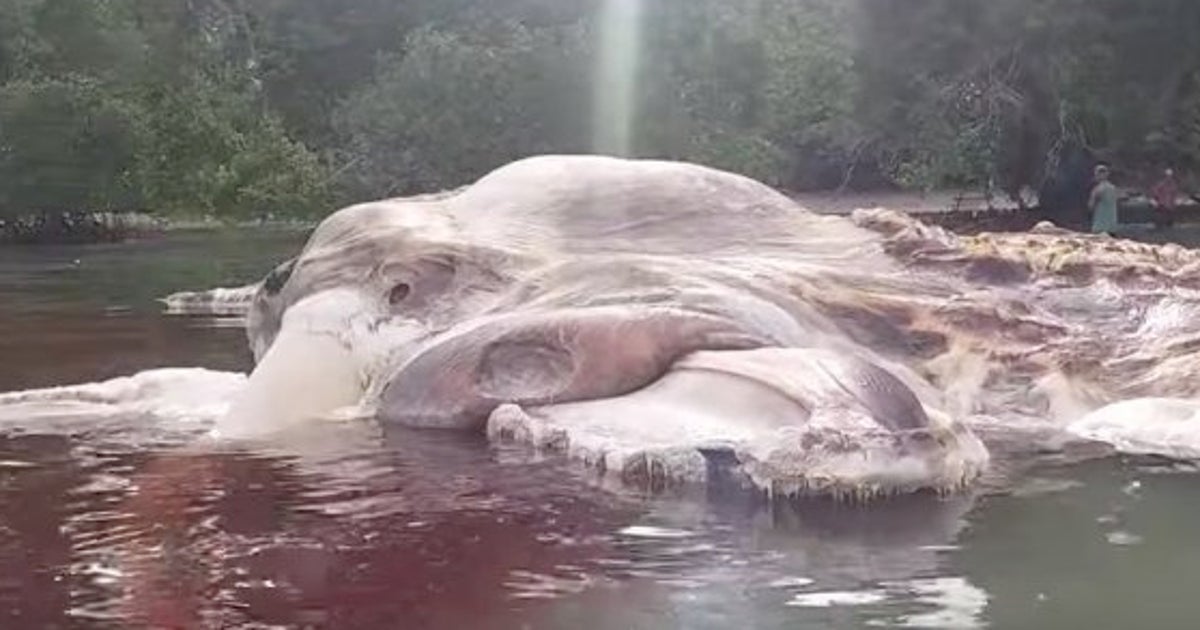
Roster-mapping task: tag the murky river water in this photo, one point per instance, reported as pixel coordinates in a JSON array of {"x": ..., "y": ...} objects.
[{"x": 105, "y": 525}]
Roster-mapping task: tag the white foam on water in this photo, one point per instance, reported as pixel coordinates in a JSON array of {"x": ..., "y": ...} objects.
[
  {"x": 532, "y": 585},
  {"x": 1123, "y": 538},
  {"x": 939, "y": 548},
  {"x": 828, "y": 599},
  {"x": 1039, "y": 486},
  {"x": 959, "y": 604},
  {"x": 1169, "y": 427},
  {"x": 190, "y": 407},
  {"x": 790, "y": 581},
  {"x": 180, "y": 406},
  {"x": 955, "y": 602},
  {"x": 218, "y": 301},
  {"x": 1165, "y": 318},
  {"x": 167, "y": 395},
  {"x": 649, "y": 531}
]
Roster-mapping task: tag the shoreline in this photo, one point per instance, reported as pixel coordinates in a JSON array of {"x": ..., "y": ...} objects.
[
  {"x": 184, "y": 225},
  {"x": 955, "y": 210},
  {"x": 90, "y": 228}
]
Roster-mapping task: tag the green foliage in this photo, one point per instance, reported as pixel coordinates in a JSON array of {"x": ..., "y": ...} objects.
[
  {"x": 123, "y": 105},
  {"x": 65, "y": 145},
  {"x": 210, "y": 149},
  {"x": 967, "y": 91},
  {"x": 747, "y": 87},
  {"x": 461, "y": 102},
  {"x": 290, "y": 107}
]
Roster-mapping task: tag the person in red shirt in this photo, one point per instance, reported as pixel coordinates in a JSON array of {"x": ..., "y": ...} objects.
[{"x": 1165, "y": 193}]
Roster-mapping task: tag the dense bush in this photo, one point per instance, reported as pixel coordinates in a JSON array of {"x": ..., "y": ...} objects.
[
  {"x": 292, "y": 107},
  {"x": 459, "y": 103},
  {"x": 65, "y": 144},
  {"x": 212, "y": 151},
  {"x": 117, "y": 105}
]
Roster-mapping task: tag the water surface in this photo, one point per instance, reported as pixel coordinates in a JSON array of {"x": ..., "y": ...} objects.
[{"x": 127, "y": 523}]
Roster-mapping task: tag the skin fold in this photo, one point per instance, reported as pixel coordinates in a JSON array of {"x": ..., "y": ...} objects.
[{"x": 638, "y": 316}]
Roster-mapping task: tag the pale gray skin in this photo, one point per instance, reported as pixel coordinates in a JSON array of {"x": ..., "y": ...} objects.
[{"x": 648, "y": 318}]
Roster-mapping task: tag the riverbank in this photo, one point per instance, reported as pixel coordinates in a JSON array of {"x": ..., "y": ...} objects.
[
  {"x": 96, "y": 227},
  {"x": 954, "y": 210},
  {"x": 77, "y": 228},
  {"x": 212, "y": 223}
]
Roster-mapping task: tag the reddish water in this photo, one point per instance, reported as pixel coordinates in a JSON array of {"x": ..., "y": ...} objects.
[{"x": 129, "y": 524}]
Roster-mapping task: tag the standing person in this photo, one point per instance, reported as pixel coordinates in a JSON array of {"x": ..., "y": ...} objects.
[
  {"x": 1103, "y": 203},
  {"x": 1165, "y": 195}
]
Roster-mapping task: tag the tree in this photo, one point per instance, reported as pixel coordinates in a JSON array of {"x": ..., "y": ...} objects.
[
  {"x": 463, "y": 101},
  {"x": 240, "y": 108},
  {"x": 209, "y": 149},
  {"x": 65, "y": 145}
]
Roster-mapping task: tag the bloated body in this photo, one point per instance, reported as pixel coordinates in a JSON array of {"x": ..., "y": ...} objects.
[{"x": 645, "y": 317}]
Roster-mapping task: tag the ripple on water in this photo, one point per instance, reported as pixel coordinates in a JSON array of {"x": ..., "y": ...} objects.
[
  {"x": 428, "y": 529},
  {"x": 422, "y": 526},
  {"x": 790, "y": 582},
  {"x": 826, "y": 599},
  {"x": 1122, "y": 538},
  {"x": 532, "y": 585},
  {"x": 955, "y": 601},
  {"x": 650, "y": 531},
  {"x": 949, "y": 602}
]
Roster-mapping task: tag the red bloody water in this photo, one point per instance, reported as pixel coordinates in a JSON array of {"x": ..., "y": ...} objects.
[{"x": 129, "y": 523}]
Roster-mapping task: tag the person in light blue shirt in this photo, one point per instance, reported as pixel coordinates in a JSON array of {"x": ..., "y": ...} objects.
[{"x": 1103, "y": 203}]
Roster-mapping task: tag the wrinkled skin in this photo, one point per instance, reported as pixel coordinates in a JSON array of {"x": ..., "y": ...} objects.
[{"x": 649, "y": 318}]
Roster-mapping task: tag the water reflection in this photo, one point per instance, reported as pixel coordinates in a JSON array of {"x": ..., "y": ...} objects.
[
  {"x": 34, "y": 484},
  {"x": 348, "y": 525},
  {"x": 421, "y": 529},
  {"x": 75, "y": 314}
]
